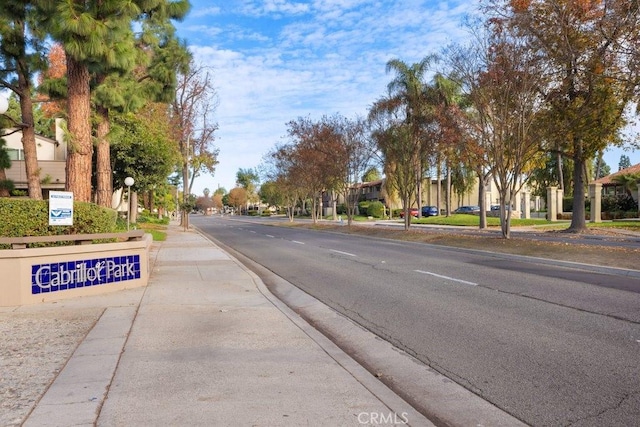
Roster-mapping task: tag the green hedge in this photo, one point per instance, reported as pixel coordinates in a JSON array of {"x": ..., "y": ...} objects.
[
  {"x": 27, "y": 217},
  {"x": 375, "y": 209},
  {"x": 363, "y": 208}
]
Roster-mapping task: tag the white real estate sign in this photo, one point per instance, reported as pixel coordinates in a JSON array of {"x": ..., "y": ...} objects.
[{"x": 60, "y": 208}]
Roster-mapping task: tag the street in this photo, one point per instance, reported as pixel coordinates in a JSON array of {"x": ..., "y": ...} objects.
[{"x": 549, "y": 345}]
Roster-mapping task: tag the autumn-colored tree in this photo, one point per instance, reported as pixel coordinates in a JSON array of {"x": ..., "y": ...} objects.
[
  {"x": 21, "y": 56},
  {"x": 508, "y": 92},
  {"x": 217, "y": 201},
  {"x": 354, "y": 151},
  {"x": 281, "y": 167},
  {"x": 502, "y": 81},
  {"x": 238, "y": 198},
  {"x": 589, "y": 59},
  {"x": 52, "y": 84},
  {"x": 317, "y": 158}
]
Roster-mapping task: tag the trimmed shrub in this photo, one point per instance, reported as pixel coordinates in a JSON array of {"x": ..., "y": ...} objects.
[
  {"x": 363, "y": 208},
  {"x": 375, "y": 209},
  {"x": 28, "y": 217},
  {"x": 619, "y": 203}
]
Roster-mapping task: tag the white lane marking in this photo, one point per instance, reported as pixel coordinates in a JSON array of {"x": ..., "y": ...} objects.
[
  {"x": 251, "y": 231},
  {"x": 340, "y": 252},
  {"x": 300, "y": 243},
  {"x": 269, "y": 235},
  {"x": 446, "y": 277}
]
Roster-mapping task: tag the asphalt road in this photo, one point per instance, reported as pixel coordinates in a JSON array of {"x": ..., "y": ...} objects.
[{"x": 550, "y": 345}]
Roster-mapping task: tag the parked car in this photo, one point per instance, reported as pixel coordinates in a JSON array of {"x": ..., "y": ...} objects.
[
  {"x": 467, "y": 210},
  {"x": 497, "y": 207},
  {"x": 413, "y": 212},
  {"x": 429, "y": 211}
]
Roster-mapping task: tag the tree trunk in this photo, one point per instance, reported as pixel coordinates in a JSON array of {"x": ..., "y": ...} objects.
[
  {"x": 314, "y": 207},
  {"x": 104, "y": 182},
  {"x": 185, "y": 195},
  {"x": 439, "y": 183},
  {"x": 482, "y": 200},
  {"x": 505, "y": 221},
  {"x": 29, "y": 138},
  {"x": 560, "y": 172},
  {"x": 447, "y": 195},
  {"x": 419, "y": 191},
  {"x": 407, "y": 212},
  {"x": 4, "y": 192},
  {"x": 150, "y": 201},
  {"x": 578, "y": 221},
  {"x": 80, "y": 147}
]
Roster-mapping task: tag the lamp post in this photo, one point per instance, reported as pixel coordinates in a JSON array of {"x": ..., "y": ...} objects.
[{"x": 128, "y": 181}]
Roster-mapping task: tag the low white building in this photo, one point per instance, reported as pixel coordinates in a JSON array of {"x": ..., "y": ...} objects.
[{"x": 51, "y": 155}]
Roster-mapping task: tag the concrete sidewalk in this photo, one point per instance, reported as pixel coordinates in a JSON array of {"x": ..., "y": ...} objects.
[{"x": 207, "y": 344}]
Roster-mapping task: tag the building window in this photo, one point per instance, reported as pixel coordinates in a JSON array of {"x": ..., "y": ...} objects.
[{"x": 15, "y": 154}]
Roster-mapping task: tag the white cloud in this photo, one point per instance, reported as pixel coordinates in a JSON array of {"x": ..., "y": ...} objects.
[
  {"x": 278, "y": 60},
  {"x": 206, "y": 11}
]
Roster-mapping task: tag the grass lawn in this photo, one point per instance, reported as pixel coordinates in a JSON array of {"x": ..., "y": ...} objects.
[
  {"x": 156, "y": 230},
  {"x": 465, "y": 220}
]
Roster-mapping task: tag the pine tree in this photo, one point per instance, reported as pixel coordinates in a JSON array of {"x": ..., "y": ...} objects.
[
  {"x": 21, "y": 56},
  {"x": 98, "y": 41}
]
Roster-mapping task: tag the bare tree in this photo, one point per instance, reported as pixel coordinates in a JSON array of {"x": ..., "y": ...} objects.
[
  {"x": 281, "y": 167},
  {"x": 502, "y": 80},
  {"x": 193, "y": 109},
  {"x": 357, "y": 152}
]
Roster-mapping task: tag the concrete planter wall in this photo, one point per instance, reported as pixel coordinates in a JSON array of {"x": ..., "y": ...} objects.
[{"x": 36, "y": 275}]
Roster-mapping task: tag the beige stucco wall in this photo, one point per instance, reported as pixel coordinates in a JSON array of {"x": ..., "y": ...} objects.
[{"x": 16, "y": 266}]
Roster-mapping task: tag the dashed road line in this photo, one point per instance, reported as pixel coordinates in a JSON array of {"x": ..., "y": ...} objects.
[
  {"x": 446, "y": 277},
  {"x": 340, "y": 252}
]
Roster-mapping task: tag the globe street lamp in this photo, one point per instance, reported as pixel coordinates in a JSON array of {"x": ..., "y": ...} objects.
[
  {"x": 4, "y": 104},
  {"x": 128, "y": 181}
]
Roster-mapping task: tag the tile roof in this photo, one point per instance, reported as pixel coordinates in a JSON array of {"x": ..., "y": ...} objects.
[{"x": 609, "y": 178}]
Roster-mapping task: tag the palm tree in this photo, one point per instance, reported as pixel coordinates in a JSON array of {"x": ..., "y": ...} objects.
[
  {"x": 629, "y": 181},
  {"x": 408, "y": 89},
  {"x": 444, "y": 97}
]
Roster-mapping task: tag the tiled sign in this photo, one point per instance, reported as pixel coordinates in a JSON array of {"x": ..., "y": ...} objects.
[{"x": 61, "y": 276}]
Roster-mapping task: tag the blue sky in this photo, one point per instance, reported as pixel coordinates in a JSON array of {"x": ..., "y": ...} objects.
[{"x": 276, "y": 60}]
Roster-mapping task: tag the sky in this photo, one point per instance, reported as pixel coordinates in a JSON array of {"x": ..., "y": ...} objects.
[{"x": 274, "y": 61}]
